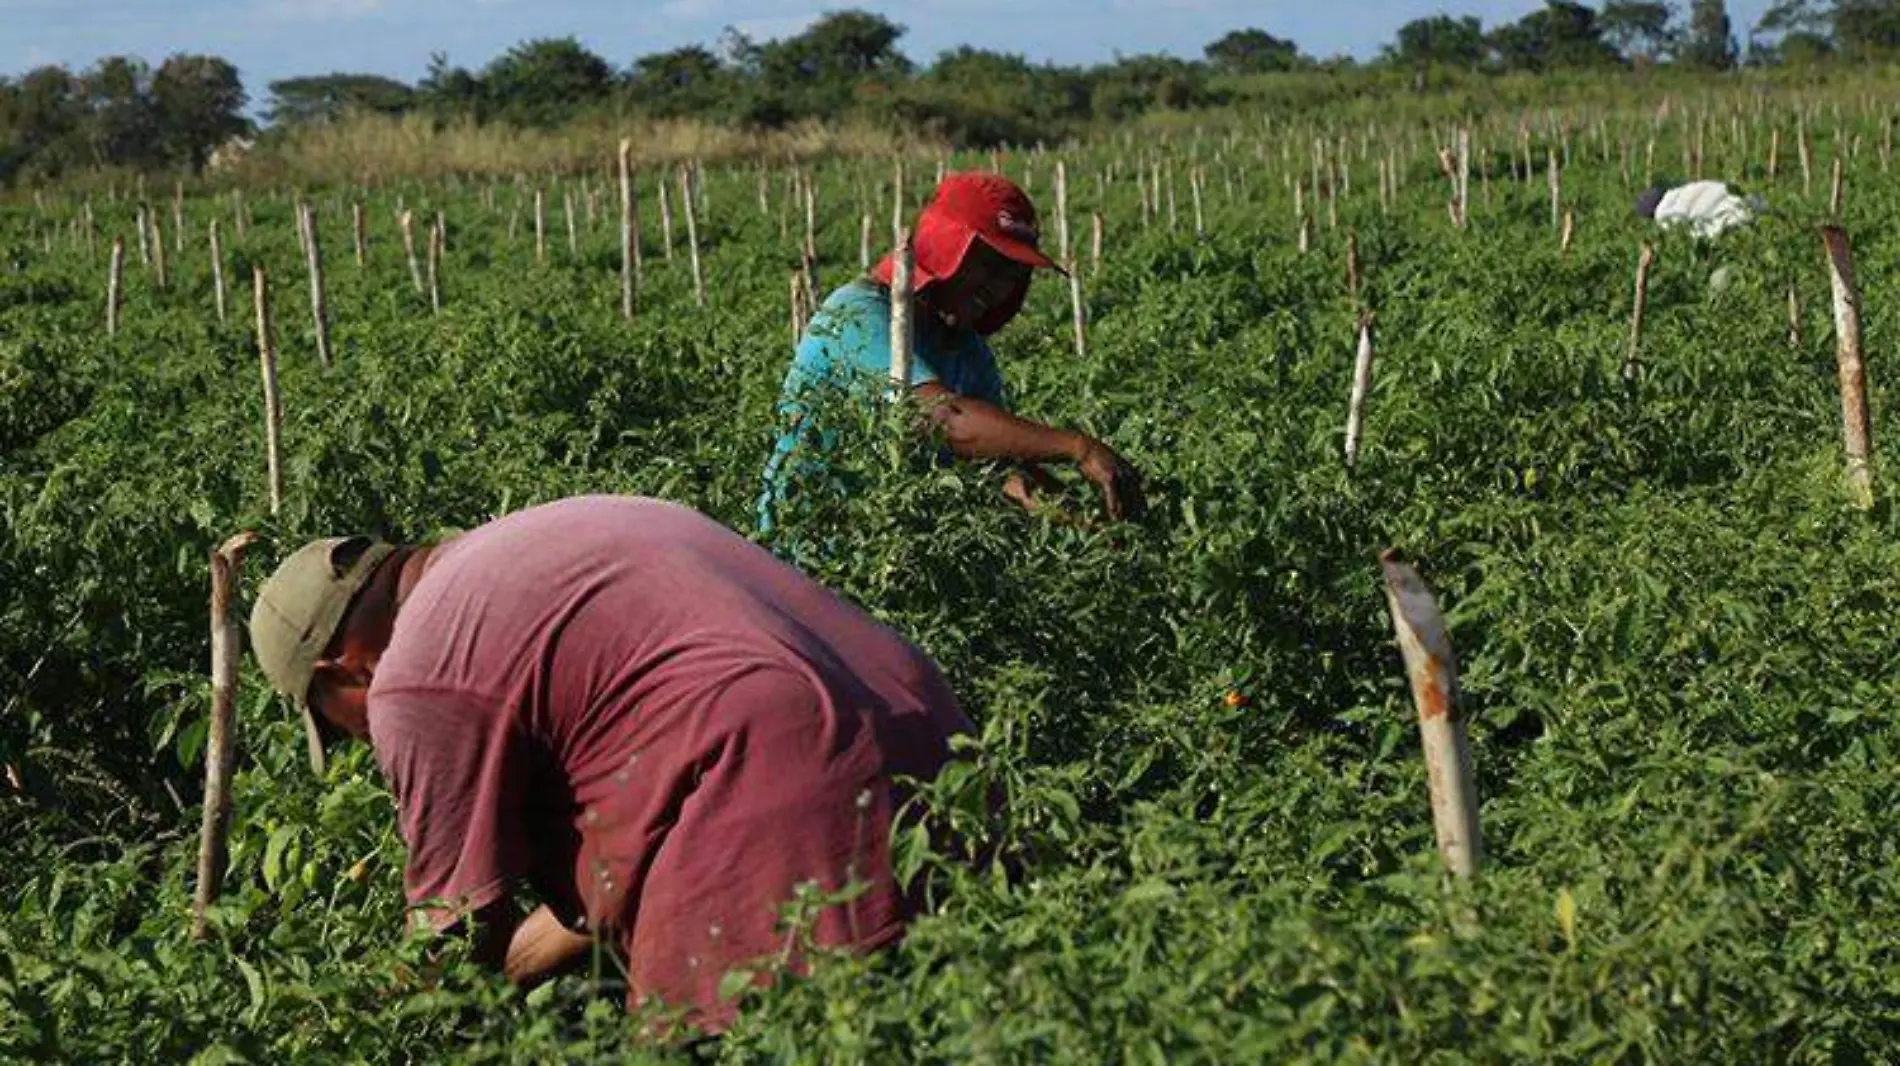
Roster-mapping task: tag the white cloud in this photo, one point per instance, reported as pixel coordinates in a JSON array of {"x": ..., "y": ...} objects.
[{"x": 771, "y": 29}]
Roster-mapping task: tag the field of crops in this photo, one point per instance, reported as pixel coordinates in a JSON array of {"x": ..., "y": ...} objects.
[{"x": 1677, "y": 633}]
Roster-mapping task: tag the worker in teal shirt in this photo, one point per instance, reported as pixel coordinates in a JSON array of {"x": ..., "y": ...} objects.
[{"x": 975, "y": 250}]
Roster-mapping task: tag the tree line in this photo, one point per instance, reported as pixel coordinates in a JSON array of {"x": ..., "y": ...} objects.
[{"x": 848, "y": 66}]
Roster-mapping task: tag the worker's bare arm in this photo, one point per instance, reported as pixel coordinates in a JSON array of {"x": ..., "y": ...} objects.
[{"x": 977, "y": 429}]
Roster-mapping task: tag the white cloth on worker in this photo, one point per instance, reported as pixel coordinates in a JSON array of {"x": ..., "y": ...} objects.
[{"x": 1708, "y": 208}]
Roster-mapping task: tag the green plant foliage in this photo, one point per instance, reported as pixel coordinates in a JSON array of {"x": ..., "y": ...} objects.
[{"x": 1677, "y": 637}]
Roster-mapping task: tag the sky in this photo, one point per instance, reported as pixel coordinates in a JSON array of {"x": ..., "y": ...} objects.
[{"x": 272, "y": 39}]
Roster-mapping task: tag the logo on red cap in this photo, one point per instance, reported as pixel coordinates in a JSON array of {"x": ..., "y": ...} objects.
[{"x": 1012, "y": 226}]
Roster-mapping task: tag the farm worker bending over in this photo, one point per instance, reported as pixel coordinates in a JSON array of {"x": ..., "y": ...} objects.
[
  {"x": 975, "y": 251},
  {"x": 1708, "y": 208},
  {"x": 620, "y": 704}
]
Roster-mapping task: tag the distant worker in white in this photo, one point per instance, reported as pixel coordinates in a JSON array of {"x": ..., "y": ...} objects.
[{"x": 1707, "y": 208}]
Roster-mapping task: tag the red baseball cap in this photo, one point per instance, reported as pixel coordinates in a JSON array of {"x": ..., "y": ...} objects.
[{"x": 968, "y": 207}]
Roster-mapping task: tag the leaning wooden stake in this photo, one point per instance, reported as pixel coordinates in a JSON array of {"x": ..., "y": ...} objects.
[
  {"x": 1570, "y": 231},
  {"x": 1433, "y": 672},
  {"x": 901, "y": 314},
  {"x": 313, "y": 251},
  {"x": 629, "y": 240},
  {"x": 692, "y": 235},
  {"x": 1835, "y": 193},
  {"x": 1361, "y": 384},
  {"x": 1630, "y": 360},
  {"x": 1856, "y": 424},
  {"x": 227, "y": 650},
  {"x": 115, "y": 287},
  {"x": 217, "y": 270}
]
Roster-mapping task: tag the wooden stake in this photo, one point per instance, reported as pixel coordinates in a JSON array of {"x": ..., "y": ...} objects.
[
  {"x": 159, "y": 273},
  {"x": 1774, "y": 153},
  {"x": 359, "y": 231},
  {"x": 1835, "y": 195},
  {"x": 573, "y": 231},
  {"x": 1856, "y": 423},
  {"x": 217, "y": 270},
  {"x": 1361, "y": 384},
  {"x": 540, "y": 228},
  {"x": 438, "y": 243},
  {"x": 145, "y": 239},
  {"x": 1352, "y": 265},
  {"x": 1433, "y": 672},
  {"x": 1807, "y": 163},
  {"x": 273, "y": 408},
  {"x": 1078, "y": 311},
  {"x": 407, "y": 221},
  {"x": 897, "y": 201},
  {"x": 1794, "y": 318},
  {"x": 1556, "y": 191},
  {"x": 629, "y": 231},
  {"x": 115, "y": 287},
  {"x": 1095, "y": 244},
  {"x": 1194, "y": 186},
  {"x": 692, "y": 235},
  {"x": 864, "y": 241},
  {"x": 1631, "y": 360},
  {"x": 901, "y": 337},
  {"x": 666, "y": 216},
  {"x": 227, "y": 651},
  {"x": 314, "y": 259}
]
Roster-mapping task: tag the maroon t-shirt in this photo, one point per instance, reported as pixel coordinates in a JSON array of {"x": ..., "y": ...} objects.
[{"x": 572, "y": 689}]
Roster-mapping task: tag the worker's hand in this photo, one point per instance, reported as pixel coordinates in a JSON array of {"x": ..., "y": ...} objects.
[
  {"x": 1017, "y": 489},
  {"x": 1118, "y": 481}
]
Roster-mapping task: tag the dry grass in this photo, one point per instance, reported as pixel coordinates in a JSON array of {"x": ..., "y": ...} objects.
[{"x": 375, "y": 148}]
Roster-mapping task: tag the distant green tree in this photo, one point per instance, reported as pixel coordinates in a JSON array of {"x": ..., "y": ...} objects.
[
  {"x": 824, "y": 68},
  {"x": 1254, "y": 51},
  {"x": 545, "y": 82},
  {"x": 1561, "y": 34},
  {"x": 448, "y": 92},
  {"x": 1441, "y": 41},
  {"x": 41, "y": 123},
  {"x": 685, "y": 81},
  {"x": 329, "y": 97},
  {"x": 198, "y": 102},
  {"x": 1638, "y": 29},
  {"x": 1867, "y": 30},
  {"x": 1792, "y": 31},
  {"x": 1710, "y": 42},
  {"x": 121, "y": 123}
]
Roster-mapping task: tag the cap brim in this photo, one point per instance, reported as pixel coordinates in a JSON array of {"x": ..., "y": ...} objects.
[{"x": 1022, "y": 252}]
